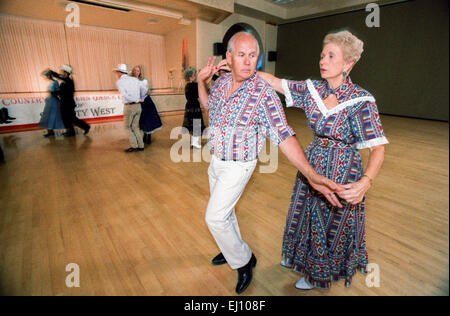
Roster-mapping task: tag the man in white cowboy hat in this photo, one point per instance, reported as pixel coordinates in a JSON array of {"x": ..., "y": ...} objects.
[
  {"x": 66, "y": 92},
  {"x": 132, "y": 92}
]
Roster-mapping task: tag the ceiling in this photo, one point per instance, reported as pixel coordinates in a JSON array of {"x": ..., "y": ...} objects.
[
  {"x": 297, "y": 10},
  {"x": 165, "y": 16}
]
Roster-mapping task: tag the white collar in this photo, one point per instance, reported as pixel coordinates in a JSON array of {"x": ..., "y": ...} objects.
[{"x": 327, "y": 112}]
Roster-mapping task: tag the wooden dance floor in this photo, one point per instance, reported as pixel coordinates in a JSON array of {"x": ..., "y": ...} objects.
[{"x": 134, "y": 223}]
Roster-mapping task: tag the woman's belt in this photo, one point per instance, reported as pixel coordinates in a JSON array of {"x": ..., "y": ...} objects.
[{"x": 332, "y": 143}]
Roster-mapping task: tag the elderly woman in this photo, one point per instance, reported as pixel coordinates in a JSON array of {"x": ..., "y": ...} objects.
[
  {"x": 193, "y": 118},
  {"x": 322, "y": 242},
  {"x": 149, "y": 121}
]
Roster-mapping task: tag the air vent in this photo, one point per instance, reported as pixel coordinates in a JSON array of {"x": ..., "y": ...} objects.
[
  {"x": 101, "y": 5},
  {"x": 153, "y": 21},
  {"x": 127, "y": 6},
  {"x": 282, "y": 1}
]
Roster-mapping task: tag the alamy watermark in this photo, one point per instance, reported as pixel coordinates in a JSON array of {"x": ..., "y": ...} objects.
[
  {"x": 73, "y": 18},
  {"x": 372, "y": 278},
  {"x": 373, "y": 19},
  {"x": 73, "y": 278},
  {"x": 373, "y": 275}
]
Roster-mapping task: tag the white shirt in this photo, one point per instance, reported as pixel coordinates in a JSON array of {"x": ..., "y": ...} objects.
[
  {"x": 144, "y": 83},
  {"x": 130, "y": 89}
]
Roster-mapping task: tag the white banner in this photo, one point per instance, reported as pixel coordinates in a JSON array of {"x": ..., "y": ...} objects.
[
  {"x": 27, "y": 110},
  {"x": 93, "y": 106}
]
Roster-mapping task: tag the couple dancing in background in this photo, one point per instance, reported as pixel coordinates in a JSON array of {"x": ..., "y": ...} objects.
[
  {"x": 324, "y": 237},
  {"x": 140, "y": 115},
  {"x": 59, "y": 109}
]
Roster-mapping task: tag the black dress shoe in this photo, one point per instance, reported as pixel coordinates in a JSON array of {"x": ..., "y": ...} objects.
[
  {"x": 139, "y": 149},
  {"x": 219, "y": 260},
  {"x": 131, "y": 149},
  {"x": 86, "y": 131},
  {"x": 69, "y": 134},
  {"x": 245, "y": 275}
]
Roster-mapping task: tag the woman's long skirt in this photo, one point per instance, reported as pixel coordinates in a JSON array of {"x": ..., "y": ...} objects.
[
  {"x": 149, "y": 121},
  {"x": 193, "y": 118},
  {"x": 51, "y": 117}
]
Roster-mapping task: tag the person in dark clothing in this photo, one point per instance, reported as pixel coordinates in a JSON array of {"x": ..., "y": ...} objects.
[
  {"x": 193, "y": 118},
  {"x": 4, "y": 119},
  {"x": 4, "y": 116},
  {"x": 66, "y": 92}
]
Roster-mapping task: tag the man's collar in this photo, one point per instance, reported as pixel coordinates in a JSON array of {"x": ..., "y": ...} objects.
[{"x": 245, "y": 83}]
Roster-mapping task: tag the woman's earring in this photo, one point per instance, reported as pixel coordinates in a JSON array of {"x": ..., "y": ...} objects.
[{"x": 344, "y": 74}]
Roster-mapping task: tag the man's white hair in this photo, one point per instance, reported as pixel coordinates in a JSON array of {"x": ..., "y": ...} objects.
[{"x": 230, "y": 46}]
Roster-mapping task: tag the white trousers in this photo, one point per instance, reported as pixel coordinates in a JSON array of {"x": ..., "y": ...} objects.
[{"x": 227, "y": 181}]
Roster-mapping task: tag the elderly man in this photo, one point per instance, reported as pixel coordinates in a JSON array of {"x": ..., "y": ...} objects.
[
  {"x": 243, "y": 111},
  {"x": 132, "y": 93}
]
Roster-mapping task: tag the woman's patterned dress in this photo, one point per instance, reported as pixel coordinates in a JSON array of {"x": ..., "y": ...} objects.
[{"x": 323, "y": 242}]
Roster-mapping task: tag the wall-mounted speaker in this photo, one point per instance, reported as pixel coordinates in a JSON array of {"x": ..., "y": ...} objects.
[
  {"x": 272, "y": 56},
  {"x": 218, "y": 49}
]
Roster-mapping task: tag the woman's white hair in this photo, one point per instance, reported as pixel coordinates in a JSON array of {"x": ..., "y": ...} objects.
[
  {"x": 352, "y": 47},
  {"x": 230, "y": 46}
]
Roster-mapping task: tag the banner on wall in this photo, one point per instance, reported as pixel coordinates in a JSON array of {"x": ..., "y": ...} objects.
[{"x": 28, "y": 110}]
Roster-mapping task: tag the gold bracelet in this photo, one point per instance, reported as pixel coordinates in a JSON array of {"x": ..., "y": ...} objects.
[{"x": 370, "y": 179}]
